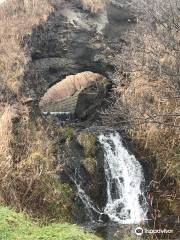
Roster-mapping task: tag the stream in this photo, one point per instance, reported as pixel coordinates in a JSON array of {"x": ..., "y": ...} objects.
[{"x": 126, "y": 203}]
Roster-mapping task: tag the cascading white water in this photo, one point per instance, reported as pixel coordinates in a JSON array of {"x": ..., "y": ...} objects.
[
  {"x": 126, "y": 202},
  {"x": 124, "y": 177}
]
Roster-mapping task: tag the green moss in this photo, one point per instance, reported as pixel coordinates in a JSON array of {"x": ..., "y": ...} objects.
[
  {"x": 88, "y": 142},
  {"x": 68, "y": 133},
  {"x": 59, "y": 205},
  {"x": 15, "y": 226}
]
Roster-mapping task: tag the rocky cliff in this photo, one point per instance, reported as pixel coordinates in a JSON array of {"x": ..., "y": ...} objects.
[{"x": 73, "y": 40}]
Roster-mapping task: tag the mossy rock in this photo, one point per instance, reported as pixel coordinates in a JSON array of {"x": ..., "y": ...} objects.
[
  {"x": 93, "y": 191},
  {"x": 88, "y": 142},
  {"x": 90, "y": 165}
]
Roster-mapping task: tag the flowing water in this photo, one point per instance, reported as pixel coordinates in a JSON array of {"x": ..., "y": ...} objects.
[
  {"x": 124, "y": 177},
  {"x": 126, "y": 203},
  {"x": 63, "y": 116},
  {"x": 90, "y": 208}
]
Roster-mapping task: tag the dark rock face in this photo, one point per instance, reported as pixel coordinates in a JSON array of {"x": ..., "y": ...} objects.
[
  {"x": 71, "y": 41},
  {"x": 88, "y": 101},
  {"x": 77, "y": 167}
]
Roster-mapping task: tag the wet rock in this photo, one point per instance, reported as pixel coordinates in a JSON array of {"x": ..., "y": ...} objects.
[
  {"x": 83, "y": 161},
  {"x": 104, "y": 218}
]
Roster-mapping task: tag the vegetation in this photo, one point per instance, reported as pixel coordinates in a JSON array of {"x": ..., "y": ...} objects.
[
  {"x": 28, "y": 171},
  {"x": 147, "y": 105},
  {"x": 68, "y": 133},
  {"x": 17, "y": 19},
  {"x": 94, "y": 5},
  {"x": 147, "y": 97},
  {"x": 16, "y": 226},
  {"x": 90, "y": 165},
  {"x": 88, "y": 142},
  {"x": 28, "y": 179}
]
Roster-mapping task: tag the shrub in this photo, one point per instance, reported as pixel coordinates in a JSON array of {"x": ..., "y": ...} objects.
[
  {"x": 28, "y": 177},
  {"x": 147, "y": 105},
  {"x": 17, "y": 19},
  {"x": 8, "y": 114}
]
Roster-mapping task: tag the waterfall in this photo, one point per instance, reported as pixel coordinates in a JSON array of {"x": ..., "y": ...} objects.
[
  {"x": 90, "y": 208},
  {"x": 126, "y": 203},
  {"x": 124, "y": 177},
  {"x": 63, "y": 116}
]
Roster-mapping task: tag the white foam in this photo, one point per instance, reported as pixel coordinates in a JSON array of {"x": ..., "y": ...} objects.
[{"x": 124, "y": 176}]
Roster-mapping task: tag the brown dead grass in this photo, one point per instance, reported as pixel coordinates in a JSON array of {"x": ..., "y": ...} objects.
[
  {"x": 17, "y": 18},
  {"x": 8, "y": 114},
  {"x": 28, "y": 179},
  {"x": 148, "y": 102},
  {"x": 69, "y": 86},
  {"x": 153, "y": 102},
  {"x": 153, "y": 112},
  {"x": 94, "y": 5}
]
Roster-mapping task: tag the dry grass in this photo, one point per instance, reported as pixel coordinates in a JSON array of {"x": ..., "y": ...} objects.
[
  {"x": 152, "y": 100},
  {"x": 88, "y": 142},
  {"x": 69, "y": 86},
  {"x": 27, "y": 169},
  {"x": 147, "y": 106},
  {"x": 8, "y": 114},
  {"x": 149, "y": 100},
  {"x": 28, "y": 177},
  {"x": 153, "y": 111},
  {"x": 17, "y": 18},
  {"x": 94, "y": 5}
]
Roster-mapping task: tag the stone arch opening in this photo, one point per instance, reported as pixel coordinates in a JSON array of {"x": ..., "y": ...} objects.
[{"x": 77, "y": 95}]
